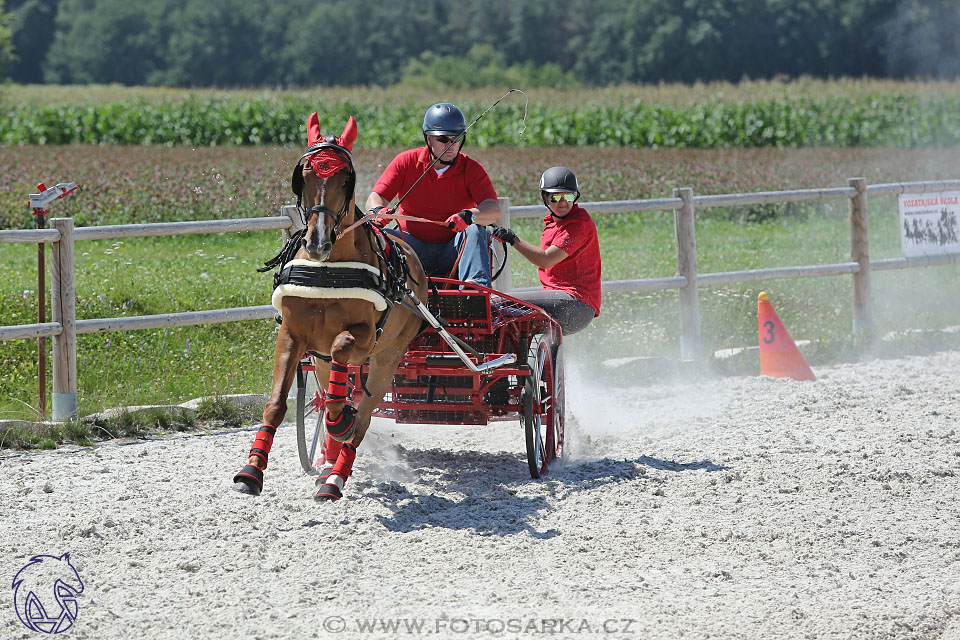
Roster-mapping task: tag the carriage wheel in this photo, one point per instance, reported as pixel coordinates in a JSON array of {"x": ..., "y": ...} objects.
[
  {"x": 309, "y": 412},
  {"x": 539, "y": 409},
  {"x": 559, "y": 403}
]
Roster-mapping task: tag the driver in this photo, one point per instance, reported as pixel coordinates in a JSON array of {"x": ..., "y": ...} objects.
[
  {"x": 568, "y": 258},
  {"x": 456, "y": 194}
]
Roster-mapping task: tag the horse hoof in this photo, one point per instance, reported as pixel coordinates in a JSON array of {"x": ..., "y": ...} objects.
[
  {"x": 246, "y": 489},
  {"x": 249, "y": 480},
  {"x": 328, "y": 493}
]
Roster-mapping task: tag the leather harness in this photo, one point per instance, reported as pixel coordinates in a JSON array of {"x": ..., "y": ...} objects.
[{"x": 391, "y": 283}]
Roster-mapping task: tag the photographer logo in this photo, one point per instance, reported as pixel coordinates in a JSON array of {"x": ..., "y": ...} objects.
[{"x": 45, "y": 594}]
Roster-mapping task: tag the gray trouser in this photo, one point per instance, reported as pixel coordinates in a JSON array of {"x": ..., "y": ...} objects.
[{"x": 572, "y": 314}]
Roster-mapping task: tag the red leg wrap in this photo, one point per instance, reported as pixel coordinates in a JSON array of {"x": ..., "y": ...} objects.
[
  {"x": 263, "y": 443},
  {"x": 337, "y": 387},
  {"x": 345, "y": 461},
  {"x": 331, "y": 449}
]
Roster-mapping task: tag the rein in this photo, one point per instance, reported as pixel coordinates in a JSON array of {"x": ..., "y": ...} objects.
[
  {"x": 385, "y": 216},
  {"x": 350, "y": 280}
]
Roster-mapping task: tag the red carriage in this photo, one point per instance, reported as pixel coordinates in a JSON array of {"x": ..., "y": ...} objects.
[
  {"x": 352, "y": 298},
  {"x": 484, "y": 356}
]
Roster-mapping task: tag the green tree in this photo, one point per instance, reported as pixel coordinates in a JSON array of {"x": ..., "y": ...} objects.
[
  {"x": 228, "y": 43},
  {"x": 922, "y": 38},
  {"x": 6, "y": 43},
  {"x": 483, "y": 66},
  {"x": 32, "y": 30},
  {"x": 220, "y": 43},
  {"x": 107, "y": 41},
  {"x": 362, "y": 42},
  {"x": 326, "y": 46}
]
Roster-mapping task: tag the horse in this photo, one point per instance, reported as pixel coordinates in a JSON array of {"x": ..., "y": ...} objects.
[{"x": 341, "y": 291}]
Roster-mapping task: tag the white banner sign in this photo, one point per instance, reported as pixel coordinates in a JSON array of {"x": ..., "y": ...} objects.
[{"x": 929, "y": 223}]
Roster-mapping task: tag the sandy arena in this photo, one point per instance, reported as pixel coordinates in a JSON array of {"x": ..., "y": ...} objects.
[{"x": 724, "y": 508}]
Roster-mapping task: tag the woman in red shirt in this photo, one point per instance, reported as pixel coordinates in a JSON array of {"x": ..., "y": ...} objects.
[{"x": 568, "y": 258}]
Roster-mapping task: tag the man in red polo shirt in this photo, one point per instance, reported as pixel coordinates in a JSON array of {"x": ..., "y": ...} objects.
[
  {"x": 455, "y": 194},
  {"x": 568, "y": 256}
]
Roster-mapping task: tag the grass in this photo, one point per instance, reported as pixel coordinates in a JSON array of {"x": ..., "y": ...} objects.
[
  {"x": 158, "y": 275},
  {"x": 147, "y": 276},
  {"x": 126, "y": 423},
  {"x": 142, "y": 277},
  {"x": 46, "y": 436}
]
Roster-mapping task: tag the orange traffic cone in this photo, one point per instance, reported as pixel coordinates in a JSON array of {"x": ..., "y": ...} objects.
[{"x": 779, "y": 355}]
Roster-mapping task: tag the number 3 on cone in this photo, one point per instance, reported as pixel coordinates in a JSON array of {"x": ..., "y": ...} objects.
[{"x": 769, "y": 338}]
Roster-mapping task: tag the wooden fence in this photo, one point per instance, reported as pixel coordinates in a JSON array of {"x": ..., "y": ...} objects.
[{"x": 65, "y": 327}]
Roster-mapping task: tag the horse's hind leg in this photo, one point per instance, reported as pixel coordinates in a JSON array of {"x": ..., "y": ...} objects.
[{"x": 250, "y": 478}]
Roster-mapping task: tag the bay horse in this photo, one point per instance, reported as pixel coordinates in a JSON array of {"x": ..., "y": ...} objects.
[{"x": 340, "y": 291}]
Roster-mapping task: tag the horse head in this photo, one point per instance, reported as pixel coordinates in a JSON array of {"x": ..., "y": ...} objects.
[{"x": 324, "y": 181}]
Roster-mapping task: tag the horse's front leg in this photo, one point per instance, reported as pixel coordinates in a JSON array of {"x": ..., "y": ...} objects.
[
  {"x": 287, "y": 355},
  {"x": 382, "y": 368},
  {"x": 340, "y": 446}
]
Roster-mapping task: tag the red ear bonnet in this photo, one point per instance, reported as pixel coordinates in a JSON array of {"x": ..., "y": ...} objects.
[
  {"x": 327, "y": 162},
  {"x": 313, "y": 129},
  {"x": 349, "y": 135}
]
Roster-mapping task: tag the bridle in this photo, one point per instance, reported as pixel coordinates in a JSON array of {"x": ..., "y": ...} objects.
[{"x": 296, "y": 185}]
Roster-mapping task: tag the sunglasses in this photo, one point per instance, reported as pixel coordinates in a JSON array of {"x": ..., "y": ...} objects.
[
  {"x": 557, "y": 197},
  {"x": 444, "y": 139}
]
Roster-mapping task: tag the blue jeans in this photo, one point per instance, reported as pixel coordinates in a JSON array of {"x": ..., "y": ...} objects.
[{"x": 438, "y": 258}]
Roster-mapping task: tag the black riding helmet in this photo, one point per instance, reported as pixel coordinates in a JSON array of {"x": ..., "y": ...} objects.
[
  {"x": 558, "y": 180},
  {"x": 444, "y": 119}
]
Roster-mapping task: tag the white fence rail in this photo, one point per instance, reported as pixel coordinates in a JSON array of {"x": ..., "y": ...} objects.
[{"x": 65, "y": 327}]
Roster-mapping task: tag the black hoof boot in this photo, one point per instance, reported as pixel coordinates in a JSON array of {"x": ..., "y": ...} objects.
[
  {"x": 249, "y": 480},
  {"x": 345, "y": 426},
  {"x": 328, "y": 493},
  {"x": 322, "y": 476}
]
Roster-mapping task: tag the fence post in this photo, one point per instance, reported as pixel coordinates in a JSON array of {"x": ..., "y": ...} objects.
[
  {"x": 505, "y": 281},
  {"x": 683, "y": 222},
  {"x": 860, "y": 253},
  {"x": 290, "y": 210},
  {"x": 64, "y": 311}
]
